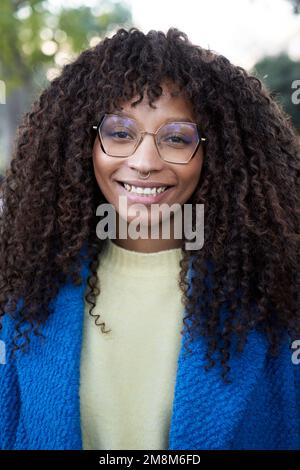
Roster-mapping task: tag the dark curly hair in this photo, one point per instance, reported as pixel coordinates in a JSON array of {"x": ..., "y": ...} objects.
[{"x": 248, "y": 185}]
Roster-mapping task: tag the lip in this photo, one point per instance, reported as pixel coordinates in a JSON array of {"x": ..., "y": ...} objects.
[{"x": 150, "y": 199}]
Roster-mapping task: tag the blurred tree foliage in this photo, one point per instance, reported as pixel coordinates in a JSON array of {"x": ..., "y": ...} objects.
[
  {"x": 36, "y": 40},
  {"x": 278, "y": 74},
  {"x": 296, "y": 6},
  {"x": 25, "y": 26}
]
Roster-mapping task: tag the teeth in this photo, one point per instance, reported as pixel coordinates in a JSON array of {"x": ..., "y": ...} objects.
[{"x": 144, "y": 191}]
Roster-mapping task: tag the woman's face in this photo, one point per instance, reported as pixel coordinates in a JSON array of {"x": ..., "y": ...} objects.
[{"x": 183, "y": 178}]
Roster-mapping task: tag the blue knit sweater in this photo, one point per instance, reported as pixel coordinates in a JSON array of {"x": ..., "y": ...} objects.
[{"x": 40, "y": 404}]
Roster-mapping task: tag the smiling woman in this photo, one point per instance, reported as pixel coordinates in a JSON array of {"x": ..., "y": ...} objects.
[{"x": 153, "y": 119}]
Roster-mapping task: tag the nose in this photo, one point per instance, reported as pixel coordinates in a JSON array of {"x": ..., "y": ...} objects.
[{"x": 146, "y": 157}]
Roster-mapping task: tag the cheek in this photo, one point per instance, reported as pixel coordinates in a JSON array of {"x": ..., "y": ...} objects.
[
  {"x": 190, "y": 177},
  {"x": 99, "y": 171},
  {"x": 102, "y": 172},
  {"x": 98, "y": 166}
]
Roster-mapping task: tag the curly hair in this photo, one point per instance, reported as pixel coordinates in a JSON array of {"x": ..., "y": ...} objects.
[{"x": 248, "y": 185}]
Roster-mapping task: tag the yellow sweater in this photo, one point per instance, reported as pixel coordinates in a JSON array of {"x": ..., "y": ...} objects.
[{"x": 127, "y": 376}]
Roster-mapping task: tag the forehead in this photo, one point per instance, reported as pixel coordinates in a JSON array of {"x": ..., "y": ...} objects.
[{"x": 172, "y": 104}]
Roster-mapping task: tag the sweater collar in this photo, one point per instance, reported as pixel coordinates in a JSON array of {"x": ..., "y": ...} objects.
[{"x": 124, "y": 261}]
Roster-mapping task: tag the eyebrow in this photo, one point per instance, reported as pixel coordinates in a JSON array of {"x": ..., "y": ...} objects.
[{"x": 170, "y": 119}]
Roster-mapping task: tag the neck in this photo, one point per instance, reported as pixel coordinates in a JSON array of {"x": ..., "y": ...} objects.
[{"x": 149, "y": 245}]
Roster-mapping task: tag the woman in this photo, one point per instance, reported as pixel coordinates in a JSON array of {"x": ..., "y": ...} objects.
[{"x": 149, "y": 343}]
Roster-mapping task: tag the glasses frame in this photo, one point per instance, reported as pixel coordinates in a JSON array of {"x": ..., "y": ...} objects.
[{"x": 142, "y": 135}]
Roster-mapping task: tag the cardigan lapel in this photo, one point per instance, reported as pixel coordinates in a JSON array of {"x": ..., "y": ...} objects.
[
  {"x": 206, "y": 411},
  {"x": 49, "y": 377}
]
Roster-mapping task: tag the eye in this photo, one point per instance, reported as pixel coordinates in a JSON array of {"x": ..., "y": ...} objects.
[
  {"x": 122, "y": 135},
  {"x": 177, "y": 138}
]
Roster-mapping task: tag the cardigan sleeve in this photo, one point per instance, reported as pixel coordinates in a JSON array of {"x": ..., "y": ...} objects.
[{"x": 9, "y": 388}]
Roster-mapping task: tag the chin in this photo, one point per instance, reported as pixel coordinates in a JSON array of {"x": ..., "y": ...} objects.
[{"x": 137, "y": 219}]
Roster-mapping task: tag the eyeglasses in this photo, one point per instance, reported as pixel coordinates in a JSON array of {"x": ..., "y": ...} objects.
[{"x": 176, "y": 142}]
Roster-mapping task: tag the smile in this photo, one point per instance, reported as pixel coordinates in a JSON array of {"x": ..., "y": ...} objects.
[
  {"x": 144, "y": 191},
  {"x": 144, "y": 194}
]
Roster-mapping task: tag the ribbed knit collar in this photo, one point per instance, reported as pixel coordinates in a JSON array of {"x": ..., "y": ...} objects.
[{"x": 159, "y": 263}]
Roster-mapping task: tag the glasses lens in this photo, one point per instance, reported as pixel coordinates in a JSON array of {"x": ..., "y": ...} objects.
[
  {"x": 177, "y": 141},
  {"x": 119, "y": 135}
]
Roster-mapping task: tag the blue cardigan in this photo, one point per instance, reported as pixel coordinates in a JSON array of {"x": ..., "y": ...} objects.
[{"x": 40, "y": 403}]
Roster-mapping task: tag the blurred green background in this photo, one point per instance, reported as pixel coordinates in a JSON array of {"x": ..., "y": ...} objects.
[{"x": 36, "y": 41}]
